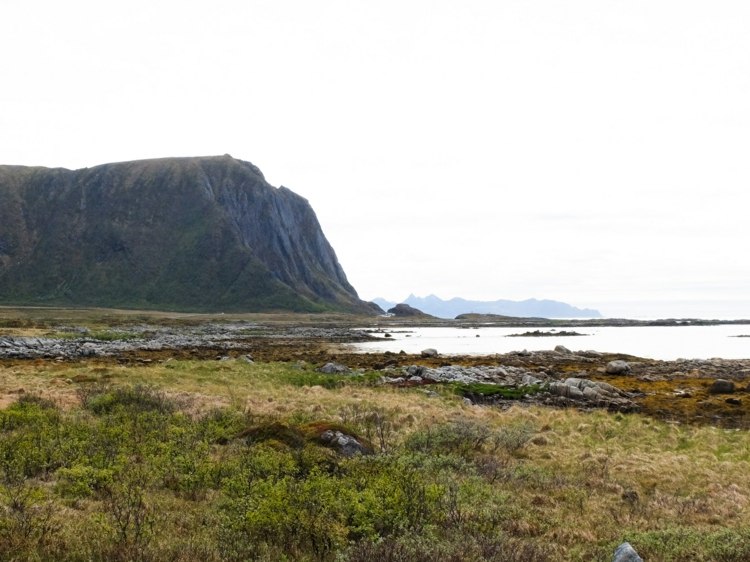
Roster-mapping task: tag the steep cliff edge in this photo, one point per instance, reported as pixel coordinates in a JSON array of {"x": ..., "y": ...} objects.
[{"x": 175, "y": 233}]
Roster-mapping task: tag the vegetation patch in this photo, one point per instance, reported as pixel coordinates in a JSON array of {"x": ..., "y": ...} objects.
[
  {"x": 486, "y": 391},
  {"x": 192, "y": 460}
]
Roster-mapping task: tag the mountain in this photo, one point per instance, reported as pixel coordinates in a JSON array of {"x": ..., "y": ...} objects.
[
  {"x": 524, "y": 309},
  {"x": 198, "y": 234}
]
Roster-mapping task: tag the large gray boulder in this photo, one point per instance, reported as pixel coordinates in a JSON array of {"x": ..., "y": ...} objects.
[
  {"x": 334, "y": 369},
  {"x": 618, "y": 367},
  {"x": 626, "y": 553}
]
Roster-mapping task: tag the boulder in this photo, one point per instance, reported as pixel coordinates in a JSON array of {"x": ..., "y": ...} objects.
[
  {"x": 562, "y": 349},
  {"x": 334, "y": 369},
  {"x": 416, "y": 370},
  {"x": 721, "y": 386},
  {"x": 626, "y": 553},
  {"x": 618, "y": 367},
  {"x": 429, "y": 352},
  {"x": 344, "y": 444}
]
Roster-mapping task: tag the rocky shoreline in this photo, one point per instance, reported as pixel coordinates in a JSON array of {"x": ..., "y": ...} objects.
[{"x": 683, "y": 391}]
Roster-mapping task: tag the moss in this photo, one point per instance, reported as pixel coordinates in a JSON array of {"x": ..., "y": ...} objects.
[{"x": 492, "y": 391}]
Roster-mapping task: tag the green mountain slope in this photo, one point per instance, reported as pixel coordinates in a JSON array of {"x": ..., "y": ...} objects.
[{"x": 175, "y": 233}]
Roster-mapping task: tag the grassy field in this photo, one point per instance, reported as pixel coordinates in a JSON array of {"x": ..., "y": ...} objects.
[{"x": 225, "y": 460}]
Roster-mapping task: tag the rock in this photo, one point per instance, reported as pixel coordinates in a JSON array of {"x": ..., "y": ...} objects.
[
  {"x": 734, "y": 401},
  {"x": 346, "y": 445},
  {"x": 334, "y": 369},
  {"x": 415, "y": 370},
  {"x": 247, "y": 358},
  {"x": 562, "y": 349},
  {"x": 429, "y": 352},
  {"x": 528, "y": 380},
  {"x": 626, "y": 553},
  {"x": 618, "y": 367},
  {"x": 403, "y": 310},
  {"x": 565, "y": 390},
  {"x": 591, "y": 393},
  {"x": 721, "y": 386}
]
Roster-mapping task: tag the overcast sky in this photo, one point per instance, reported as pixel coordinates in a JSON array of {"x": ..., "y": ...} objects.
[{"x": 591, "y": 151}]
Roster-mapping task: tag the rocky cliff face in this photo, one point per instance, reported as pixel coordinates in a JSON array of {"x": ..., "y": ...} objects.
[{"x": 176, "y": 233}]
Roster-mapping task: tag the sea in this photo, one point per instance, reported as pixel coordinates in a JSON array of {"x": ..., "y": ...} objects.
[{"x": 654, "y": 342}]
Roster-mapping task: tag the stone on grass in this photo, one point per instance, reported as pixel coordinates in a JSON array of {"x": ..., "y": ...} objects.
[
  {"x": 334, "y": 369},
  {"x": 618, "y": 367},
  {"x": 626, "y": 553},
  {"x": 344, "y": 444},
  {"x": 721, "y": 386}
]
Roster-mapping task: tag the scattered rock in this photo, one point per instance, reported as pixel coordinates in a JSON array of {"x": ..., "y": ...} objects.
[
  {"x": 346, "y": 445},
  {"x": 334, "y": 369},
  {"x": 721, "y": 386},
  {"x": 618, "y": 367},
  {"x": 626, "y": 553},
  {"x": 415, "y": 370}
]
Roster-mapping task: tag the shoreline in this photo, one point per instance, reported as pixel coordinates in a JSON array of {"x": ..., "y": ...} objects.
[{"x": 678, "y": 391}]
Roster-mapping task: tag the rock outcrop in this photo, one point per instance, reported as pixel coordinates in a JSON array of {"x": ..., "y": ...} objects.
[
  {"x": 174, "y": 233},
  {"x": 405, "y": 311}
]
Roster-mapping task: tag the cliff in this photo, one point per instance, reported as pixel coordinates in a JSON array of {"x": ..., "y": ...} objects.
[{"x": 174, "y": 233}]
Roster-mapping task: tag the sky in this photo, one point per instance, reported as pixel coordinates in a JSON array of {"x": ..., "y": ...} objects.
[{"x": 590, "y": 151}]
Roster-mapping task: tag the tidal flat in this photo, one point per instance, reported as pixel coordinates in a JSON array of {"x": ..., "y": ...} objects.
[{"x": 141, "y": 436}]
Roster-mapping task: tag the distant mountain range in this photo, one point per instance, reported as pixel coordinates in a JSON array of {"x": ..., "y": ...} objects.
[{"x": 529, "y": 308}]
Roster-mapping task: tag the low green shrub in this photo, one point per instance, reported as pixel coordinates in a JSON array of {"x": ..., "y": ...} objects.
[{"x": 102, "y": 399}]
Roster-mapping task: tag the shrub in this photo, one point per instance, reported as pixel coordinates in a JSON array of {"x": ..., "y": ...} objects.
[
  {"x": 462, "y": 438},
  {"x": 102, "y": 399},
  {"x": 82, "y": 481}
]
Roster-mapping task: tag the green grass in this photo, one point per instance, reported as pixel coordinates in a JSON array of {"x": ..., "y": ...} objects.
[
  {"x": 486, "y": 390},
  {"x": 221, "y": 460}
]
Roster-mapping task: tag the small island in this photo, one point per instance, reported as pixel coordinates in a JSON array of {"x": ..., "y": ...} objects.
[{"x": 541, "y": 334}]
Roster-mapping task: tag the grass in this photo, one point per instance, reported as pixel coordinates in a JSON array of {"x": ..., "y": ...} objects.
[
  {"x": 489, "y": 391},
  {"x": 167, "y": 444}
]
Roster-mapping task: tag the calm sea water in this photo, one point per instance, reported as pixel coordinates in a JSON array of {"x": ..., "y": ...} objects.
[{"x": 656, "y": 342}]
